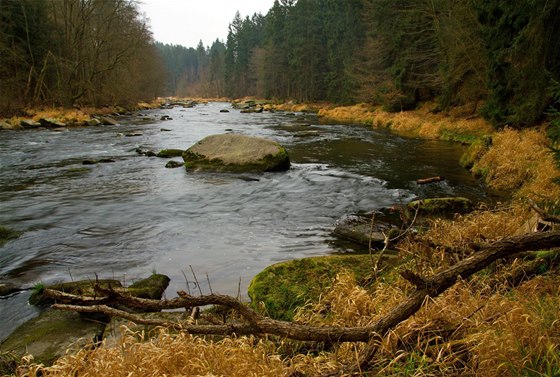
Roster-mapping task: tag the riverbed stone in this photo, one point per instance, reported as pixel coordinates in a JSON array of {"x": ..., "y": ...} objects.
[
  {"x": 280, "y": 289},
  {"x": 108, "y": 121},
  {"x": 236, "y": 153},
  {"x": 7, "y": 289},
  {"x": 29, "y": 123},
  {"x": 51, "y": 123},
  {"x": 441, "y": 206},
  {"x": 93, "y": 122},
  {"x": 170, "y": 153},
  {"x": 174, "y": 164},
  {"x": 5, "y": 125}
]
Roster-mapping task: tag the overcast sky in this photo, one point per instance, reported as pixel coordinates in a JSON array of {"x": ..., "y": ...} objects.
[{"x": 185, "y": 22}]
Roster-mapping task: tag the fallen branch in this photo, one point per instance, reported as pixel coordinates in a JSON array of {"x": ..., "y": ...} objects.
[
  {"x": 424, "y": 181},
  {"x": 543, "y": 214},
  {"x": 258, "y": 324}
]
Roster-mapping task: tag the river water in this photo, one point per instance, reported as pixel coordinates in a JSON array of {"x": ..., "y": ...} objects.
[{"x": 132, "y": 217}]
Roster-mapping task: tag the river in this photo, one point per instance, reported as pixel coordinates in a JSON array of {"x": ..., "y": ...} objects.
[{"x": 132, "y": 217}]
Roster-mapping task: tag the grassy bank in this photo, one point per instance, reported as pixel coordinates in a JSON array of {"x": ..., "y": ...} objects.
[{"x": 503, "y": 321}]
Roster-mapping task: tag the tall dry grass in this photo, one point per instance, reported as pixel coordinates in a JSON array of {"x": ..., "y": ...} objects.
[
  {"x": 168, "y": 354},
  {"x": 522, "y": 162},
  {"x": 422, "y": 122}
]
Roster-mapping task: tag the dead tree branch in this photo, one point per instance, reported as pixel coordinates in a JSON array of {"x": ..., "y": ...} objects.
[{"x": 258, "y": 324}]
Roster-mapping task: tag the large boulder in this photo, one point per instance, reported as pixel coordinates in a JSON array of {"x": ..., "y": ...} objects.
[{"x": 236, "y": 153}]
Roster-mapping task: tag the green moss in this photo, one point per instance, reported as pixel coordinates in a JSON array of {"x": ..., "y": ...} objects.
[
  {"x": 151, "y": 288},
  {"x": 170, "y": 153},
  {"x": 458, "y": 137},
  {"x": 7, "y": 234},
  {"x": 282, "y": 288},
  {"x": 475, "y": 151}
]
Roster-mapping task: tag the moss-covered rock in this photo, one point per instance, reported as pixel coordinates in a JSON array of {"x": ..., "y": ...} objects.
[
  {"x": 282, "y": 288},
  {"x": 152, "y": 287},
  {"x": 170, "y": 153},
  {"x": 7, "y": 234},
  {"x": 237, "y": 154},
  {"x": 174, "y": 164},
  {"x": 437, "y": 206},
  {"x": 358, "y": 228}
]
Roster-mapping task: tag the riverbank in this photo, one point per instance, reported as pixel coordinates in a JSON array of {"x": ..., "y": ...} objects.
[{"x": 501, "y": 321}]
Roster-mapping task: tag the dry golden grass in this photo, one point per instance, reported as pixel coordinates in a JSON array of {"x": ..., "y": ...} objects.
[
  {"x": 521, "y": 161},
  {"x": 170, "y": 355},
  {"x": 421, "y": 122}
]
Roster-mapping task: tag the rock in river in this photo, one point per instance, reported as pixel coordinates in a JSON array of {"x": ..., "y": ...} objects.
[{"x": 236, "y": 153}]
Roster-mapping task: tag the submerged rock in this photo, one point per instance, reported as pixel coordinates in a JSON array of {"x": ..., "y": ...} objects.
[{"x": 236, "y": 153}]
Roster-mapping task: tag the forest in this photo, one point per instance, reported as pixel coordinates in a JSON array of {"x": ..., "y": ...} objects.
[
  {"x": 75, "y": 53},
  {"x": 501, "y": 59}
]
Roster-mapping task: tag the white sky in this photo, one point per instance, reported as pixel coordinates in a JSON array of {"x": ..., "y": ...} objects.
[{"x": 186, "y": 22}]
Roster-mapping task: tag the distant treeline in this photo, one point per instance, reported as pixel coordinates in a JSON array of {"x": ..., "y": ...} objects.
[
  {"x": 500, "y": 57},
  {"x": 75, "y": 52}
]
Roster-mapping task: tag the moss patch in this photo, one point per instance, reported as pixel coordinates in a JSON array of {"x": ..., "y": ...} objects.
[
  {"x": 151, "y": 288},
  {"x": 282, "y": 288},
  {"x": 170, "y": 153}
]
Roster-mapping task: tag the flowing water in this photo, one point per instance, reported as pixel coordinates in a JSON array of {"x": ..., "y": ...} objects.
[{"x": 132, "y": 217}]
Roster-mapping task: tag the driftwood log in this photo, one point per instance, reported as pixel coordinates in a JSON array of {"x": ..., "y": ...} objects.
[{"x": 256, "y": 323}]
